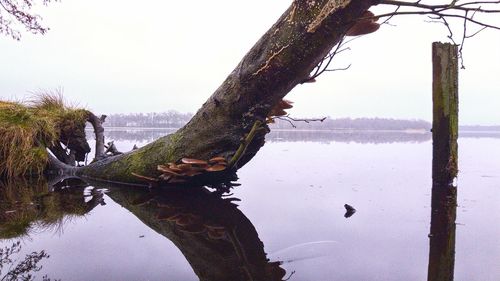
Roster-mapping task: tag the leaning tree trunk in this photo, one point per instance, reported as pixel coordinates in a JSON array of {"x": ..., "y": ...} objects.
[{"x": 281, "y": 59}]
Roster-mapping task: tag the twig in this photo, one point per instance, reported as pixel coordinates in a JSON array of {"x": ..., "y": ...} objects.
[
  {"x": 244, "y": 144},
  {"x": 323, "y": 65},
  {"x": 289, "y": 119}
]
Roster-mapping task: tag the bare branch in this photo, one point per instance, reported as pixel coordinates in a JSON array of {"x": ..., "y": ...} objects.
[
  {"x": 442, "y": 12},
  {"x": 19, "y": 12},
  {"x": 324, "y": 64},
  {"x": 289, "y": 119},
  {"x": 386, "y": 21}
]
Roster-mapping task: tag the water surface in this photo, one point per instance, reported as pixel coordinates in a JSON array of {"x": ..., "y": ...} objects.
[{"x": 292, "y": 209}]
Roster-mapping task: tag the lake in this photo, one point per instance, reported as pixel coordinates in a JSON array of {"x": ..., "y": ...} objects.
[{"x": 286, "y": 220}]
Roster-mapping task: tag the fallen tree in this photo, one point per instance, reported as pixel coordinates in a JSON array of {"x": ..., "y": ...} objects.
[{"x": 232, "y": 123}]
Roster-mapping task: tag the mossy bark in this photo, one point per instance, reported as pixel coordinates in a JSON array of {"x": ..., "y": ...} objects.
[
  {"x": 282, "y": 58},
  {"x": 445, "y": 113}
]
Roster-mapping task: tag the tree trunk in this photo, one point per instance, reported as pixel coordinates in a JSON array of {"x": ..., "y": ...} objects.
[{"x": 280, "y": 60}]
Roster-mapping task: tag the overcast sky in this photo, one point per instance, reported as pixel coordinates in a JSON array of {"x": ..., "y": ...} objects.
[{"x": 151, "y": 56}]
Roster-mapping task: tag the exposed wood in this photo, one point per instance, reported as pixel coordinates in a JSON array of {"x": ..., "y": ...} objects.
[
  {"x": 99, "y": 134},
  {"x": 444, "y": 162}
]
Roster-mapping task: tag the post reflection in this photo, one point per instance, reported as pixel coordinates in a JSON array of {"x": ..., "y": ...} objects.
[
  {"x": 217, "y": 239},
  {"x": 442, "y": 234}
]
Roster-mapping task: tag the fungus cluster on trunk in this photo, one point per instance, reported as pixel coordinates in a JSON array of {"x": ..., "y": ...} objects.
[{"x": 185, "y": 170}]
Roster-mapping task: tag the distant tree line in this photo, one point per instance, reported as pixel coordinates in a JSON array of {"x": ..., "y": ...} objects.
[
  {"x": 174, "y": 119},
  {"x": 169, "y": 119}
]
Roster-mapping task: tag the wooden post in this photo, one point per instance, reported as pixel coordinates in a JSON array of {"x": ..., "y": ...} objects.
[
  {"x": 445, "y": 113},
  {"x": 444, "y": 162}
]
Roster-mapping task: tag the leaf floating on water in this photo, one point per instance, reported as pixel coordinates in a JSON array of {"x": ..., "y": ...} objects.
[{"x": 349, "y": 211}]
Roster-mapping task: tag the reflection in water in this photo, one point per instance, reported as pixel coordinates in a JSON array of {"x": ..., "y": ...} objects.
[
  {"x": 374, "y": 244},
  {"x": 20, "y": 270},
  {"x": 31, "y": 206},
  {"x": 216, "y": 238},
  {"x": 27, "y": 205},
  {"x": 142, "y": 135},
  {"x": 349, "y": 136},
  {"x": 442, "y": 234}
]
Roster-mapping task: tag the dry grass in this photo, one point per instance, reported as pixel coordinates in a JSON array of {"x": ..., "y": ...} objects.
[{"x": 26, "y": 130}]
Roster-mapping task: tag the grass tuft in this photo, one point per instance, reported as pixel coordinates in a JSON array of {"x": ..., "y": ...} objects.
[{"x": 27, "y": 130}]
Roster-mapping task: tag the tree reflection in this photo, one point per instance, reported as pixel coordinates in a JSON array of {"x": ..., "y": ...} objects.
[
  {"x": 20, "y": 270},
  {"x": 217, "y": 239}
]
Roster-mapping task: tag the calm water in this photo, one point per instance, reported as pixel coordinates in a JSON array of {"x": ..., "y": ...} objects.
[{"x": 291, "y": 211}]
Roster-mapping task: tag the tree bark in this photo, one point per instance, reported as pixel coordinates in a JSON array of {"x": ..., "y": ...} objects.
[{"x": 282, "y": 58}]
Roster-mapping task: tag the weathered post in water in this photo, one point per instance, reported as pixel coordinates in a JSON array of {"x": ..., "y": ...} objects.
[
  {"x": 444, "y": 161},
  {"x": 445, "y": 113}
]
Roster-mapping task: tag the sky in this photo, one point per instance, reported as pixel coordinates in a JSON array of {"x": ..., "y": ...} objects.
[{"x": 153, "y": 56}]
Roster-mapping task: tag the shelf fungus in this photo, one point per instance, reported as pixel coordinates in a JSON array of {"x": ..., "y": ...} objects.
[
  {"x": 186, "y": 169},
  {"x": 279, "y": 110},
  {"x": 367, "y": 24}
]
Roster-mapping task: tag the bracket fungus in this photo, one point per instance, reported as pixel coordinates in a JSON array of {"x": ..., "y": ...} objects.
[{"x": 186, "y": 169}]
